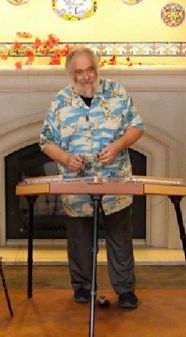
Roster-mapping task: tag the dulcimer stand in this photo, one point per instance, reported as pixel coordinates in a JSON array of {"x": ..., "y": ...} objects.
[
  {"x": 96, "y": 192},
  {"x": 96, "y": 200},
  {"x": 5, "y": 289}
]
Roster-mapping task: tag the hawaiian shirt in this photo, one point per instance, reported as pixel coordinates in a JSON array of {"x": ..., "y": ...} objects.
[{"x": 79, "y": 129}]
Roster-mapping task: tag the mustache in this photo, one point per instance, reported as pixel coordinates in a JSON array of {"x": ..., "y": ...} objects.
[{"x": 79, "y": 87}]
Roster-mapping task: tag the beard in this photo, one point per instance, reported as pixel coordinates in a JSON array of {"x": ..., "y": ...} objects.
[{"x": 87, "y": 88}]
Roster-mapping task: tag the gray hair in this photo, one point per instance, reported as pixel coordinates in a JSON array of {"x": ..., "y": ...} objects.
[{"x": 78, "y": 51}]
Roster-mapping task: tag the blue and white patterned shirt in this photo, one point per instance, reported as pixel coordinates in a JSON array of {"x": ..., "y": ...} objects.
[{"x": 79, "y": 129}]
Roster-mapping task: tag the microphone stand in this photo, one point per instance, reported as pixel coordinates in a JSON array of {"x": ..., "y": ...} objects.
[{"x": 96, "y": 206}]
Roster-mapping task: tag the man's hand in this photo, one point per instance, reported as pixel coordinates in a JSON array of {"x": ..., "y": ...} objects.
[
  {"x": 75, "y": 163},
  {"x": 108, "y": 154}
]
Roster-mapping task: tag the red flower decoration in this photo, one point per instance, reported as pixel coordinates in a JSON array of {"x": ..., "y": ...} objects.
[
  {"x": 54, "y": 40},
  {"x": 50, "y": 47},
  {"x": 55, "y": 60},
  {"x": 24, "y": 35},
  {"x": 113, "y": 60},
  {"x": 29, "y": 61},
  {"x": 29, "y": 53},
  {"x": 37, "y": 43},
  {"x": 17, "y": 46},
  {"x": 18, "y": 65},
  {"x": 4, "y": 56}
]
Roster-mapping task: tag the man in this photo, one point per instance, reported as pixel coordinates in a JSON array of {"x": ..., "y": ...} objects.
[{"x": 87, "y": 131}]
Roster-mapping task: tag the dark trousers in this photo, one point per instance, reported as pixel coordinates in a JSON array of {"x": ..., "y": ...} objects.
[{"x": 118, "y": 238}]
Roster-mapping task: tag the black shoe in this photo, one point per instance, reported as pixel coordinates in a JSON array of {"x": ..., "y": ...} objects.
[
  {"x": 82, "y": 295},
  {"x": 128, "y": 300}
]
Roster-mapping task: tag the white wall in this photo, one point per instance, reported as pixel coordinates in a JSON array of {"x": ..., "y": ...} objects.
[
  {"x": 158, "y": 92},
  {"x": 113, "y": 21}
]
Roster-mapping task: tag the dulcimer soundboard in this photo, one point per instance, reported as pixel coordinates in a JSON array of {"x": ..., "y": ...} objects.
[{"x": 135, "y": 185}]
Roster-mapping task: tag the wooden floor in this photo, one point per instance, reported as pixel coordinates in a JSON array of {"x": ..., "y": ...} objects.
[{"x": 53, "y": 313}]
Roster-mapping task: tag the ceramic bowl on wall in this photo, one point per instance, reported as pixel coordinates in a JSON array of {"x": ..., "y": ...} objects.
[
  {"x": 132, "y": 2},
  {"x": 74, "y": 10},
  {"x": 17, "y": 2},
  {"x": 172, "y": 14}
]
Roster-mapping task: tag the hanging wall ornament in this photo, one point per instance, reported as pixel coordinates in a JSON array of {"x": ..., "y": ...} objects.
[
  {"x": 17, "y": 2},
  {"x": 132, "y": 2},
  {"x": 74, "y": 9},
  {"x": 172, "y": 14}
]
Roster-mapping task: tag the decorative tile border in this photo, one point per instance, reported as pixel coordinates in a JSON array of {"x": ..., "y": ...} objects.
[
  {"x": 123, "y": 49},
  {"x": 104, "y": 49}
]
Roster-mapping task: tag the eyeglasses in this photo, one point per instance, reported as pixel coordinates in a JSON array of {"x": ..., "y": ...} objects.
[{"x": 81, "y": 72}]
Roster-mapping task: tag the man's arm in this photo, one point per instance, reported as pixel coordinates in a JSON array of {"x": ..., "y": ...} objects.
[
  {"x": 74, "y": 163},
  {"x": 109, "y": 153}
]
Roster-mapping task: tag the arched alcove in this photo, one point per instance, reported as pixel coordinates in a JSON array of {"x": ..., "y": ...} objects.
[
  {"x": 50, "y": 219},
  {"x": 156, "y": 152}
]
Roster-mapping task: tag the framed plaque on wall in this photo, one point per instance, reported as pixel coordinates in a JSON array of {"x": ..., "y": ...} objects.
[{"x": 74, "y": 10}]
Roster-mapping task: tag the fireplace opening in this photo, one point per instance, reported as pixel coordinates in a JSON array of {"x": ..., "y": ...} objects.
[{"x": 49, "y": 217}]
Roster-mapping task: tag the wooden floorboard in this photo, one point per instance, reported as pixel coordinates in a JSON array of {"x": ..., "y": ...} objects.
[{"x": 53, "y": 313}]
